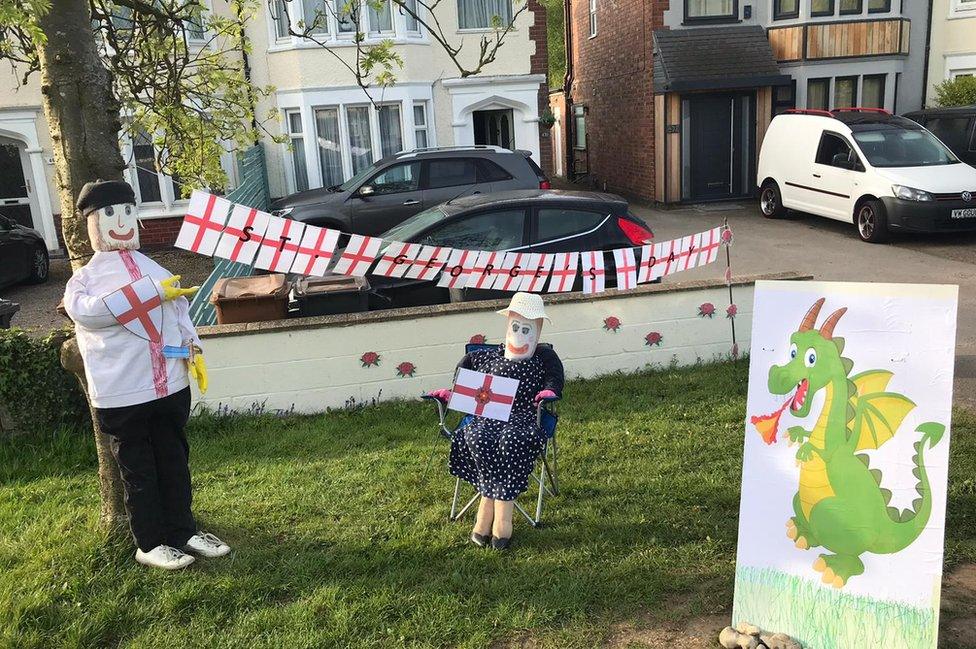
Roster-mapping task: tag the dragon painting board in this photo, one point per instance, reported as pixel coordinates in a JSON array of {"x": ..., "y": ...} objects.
[{"x": 846, "y": 456}]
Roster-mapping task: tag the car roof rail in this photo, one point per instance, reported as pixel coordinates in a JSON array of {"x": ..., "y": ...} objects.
[
  {"x": 861, "y": 109},
  {"x": 460, "y": 147},
  {"x": 809, "y": 111}
]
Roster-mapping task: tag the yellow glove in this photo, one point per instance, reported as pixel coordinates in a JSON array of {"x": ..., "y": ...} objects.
[
  {"x": 172, "y": 290},
  {"x": 198, "y": 370}
]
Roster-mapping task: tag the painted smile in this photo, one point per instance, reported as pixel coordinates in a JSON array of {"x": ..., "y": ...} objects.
[
  {"x": 800, "y": 396},
  {"x": 517, "y": 350},
  {"x": 122, "y": 237}
]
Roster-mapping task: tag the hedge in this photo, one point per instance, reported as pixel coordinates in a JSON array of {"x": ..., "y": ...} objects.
[{"x": 38, "y": 395}]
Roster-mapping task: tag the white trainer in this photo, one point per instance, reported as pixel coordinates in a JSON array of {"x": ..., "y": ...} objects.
[
  {"x": 206, "y": 545},
  {"x": 165, "y": 557}
]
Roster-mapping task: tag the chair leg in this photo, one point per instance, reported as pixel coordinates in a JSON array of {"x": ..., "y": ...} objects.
[
  {"x": 457, "y": 492},
  {"x": 522, "y": 511},
  {"x": 542, "y": 492}
]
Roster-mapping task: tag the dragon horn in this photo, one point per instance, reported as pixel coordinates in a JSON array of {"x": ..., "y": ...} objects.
[
  {"x": 810, "y": 318},
  {"x": 827, "y": 329}
]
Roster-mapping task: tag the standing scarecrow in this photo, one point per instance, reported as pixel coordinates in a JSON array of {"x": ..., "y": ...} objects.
[
  {"x": 139, "y": 348},
  {"x": 497, "y": 457}
]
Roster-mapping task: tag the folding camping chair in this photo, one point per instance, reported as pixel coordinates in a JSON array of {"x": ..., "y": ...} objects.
[{"x": 546, "y": 469}]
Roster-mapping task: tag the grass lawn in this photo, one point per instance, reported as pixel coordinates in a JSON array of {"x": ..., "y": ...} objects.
[{"x": 341, "y": 538}]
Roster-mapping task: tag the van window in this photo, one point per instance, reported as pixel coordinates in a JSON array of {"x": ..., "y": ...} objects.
[
  {"x": 902, "y": 147},
  {"x": 832, "y": 145}
]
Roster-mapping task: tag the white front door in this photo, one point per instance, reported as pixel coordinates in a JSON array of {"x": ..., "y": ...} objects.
[{"x": 15, "y": 185}]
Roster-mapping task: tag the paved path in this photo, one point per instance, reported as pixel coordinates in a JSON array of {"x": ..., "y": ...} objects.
[{"x": 830, "y": 250}]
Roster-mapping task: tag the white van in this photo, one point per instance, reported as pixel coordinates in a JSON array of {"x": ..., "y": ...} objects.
[{"x": 867, "y": 167}]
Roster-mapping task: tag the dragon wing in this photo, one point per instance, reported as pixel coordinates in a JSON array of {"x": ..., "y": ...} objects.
[
  {"x": 877, "y": 416},
  {"x": 871, "y": 381}
]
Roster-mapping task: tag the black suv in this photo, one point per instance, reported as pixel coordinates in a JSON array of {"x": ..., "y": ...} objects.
[
  {"x": 399, "y": 186},
  {"x": 955, "y": 126}
]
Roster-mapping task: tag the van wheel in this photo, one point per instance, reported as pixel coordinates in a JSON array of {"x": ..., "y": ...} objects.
[
  {"x": 770, "y": 201},
  {"x": 871, "y": 221}
]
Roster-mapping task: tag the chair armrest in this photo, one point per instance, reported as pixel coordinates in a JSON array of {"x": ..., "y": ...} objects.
[
  {"x": 441, "y": 407},
  {"x": 540, "y": 406}
]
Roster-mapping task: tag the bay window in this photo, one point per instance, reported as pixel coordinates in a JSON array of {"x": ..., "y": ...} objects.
[
  {"x": 297, "y": 139},
  {"x": 329, "y": 145},
  {"x": 316, "y": 16},
  {"x": 280, "y": 19},
  {"x": 484, "y": 14},
  {"x": 411, "y": 23},
  {"x": 420, "y": 138},
  {"x": 380, "y": 21},
  {"x": 391, "y": 134},
  {"x": 360, "y": 139}
]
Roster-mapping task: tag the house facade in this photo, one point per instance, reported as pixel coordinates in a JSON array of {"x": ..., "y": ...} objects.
[
  {"x": 700, "y": 80},
  {"x": 952, "y": 43},
  {"x": 334, "y": 129}
]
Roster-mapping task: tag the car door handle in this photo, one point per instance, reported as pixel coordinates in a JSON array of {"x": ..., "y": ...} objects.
[
  {"x": 475, "y": 193},
  {"x": 816, "y": 175},
  {"x": 411, "y": 202}
]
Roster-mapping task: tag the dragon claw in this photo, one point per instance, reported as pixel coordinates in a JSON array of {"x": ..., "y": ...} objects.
[
  {"x": 838, "y": 582},
  {"x": 820, "y": 565},
  {"x": 828, "y": 576},
  {"x": 802, "y": 544}
]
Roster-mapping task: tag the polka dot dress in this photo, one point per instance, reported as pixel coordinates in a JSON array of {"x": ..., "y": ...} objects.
[{"x": 497, "y": 457}]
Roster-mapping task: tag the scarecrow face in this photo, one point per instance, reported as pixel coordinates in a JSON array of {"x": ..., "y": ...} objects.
[
  {"x": 522, "y": 337},
  {"x": 114, "y": 227}
]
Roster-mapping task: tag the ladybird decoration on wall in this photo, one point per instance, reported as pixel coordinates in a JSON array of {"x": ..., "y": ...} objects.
[
  {"x": 611, "y": 323},
  {"x": 370, "y": 359},
  {"x": 653, "y": 338},
  {"x": 478, "y": 339},
  {"x": 406, "y": 369},
  {"x": 706, "y": 310},
  {"x": 731, "y": 311}
]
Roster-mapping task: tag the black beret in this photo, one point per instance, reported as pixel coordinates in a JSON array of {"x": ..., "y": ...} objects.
[{"x": 102, "y": 193}]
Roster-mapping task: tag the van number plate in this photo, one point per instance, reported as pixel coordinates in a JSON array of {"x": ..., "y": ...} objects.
[{"x": 968, "y": 213}]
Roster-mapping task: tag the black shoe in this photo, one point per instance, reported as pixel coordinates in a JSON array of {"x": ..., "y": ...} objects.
[
  {"x": 500, "y": 544},
  {"x": 481, "y": 540}
]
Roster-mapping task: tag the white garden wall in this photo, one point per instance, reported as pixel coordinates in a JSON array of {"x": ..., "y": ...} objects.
[{"x": 315, "y": 363}]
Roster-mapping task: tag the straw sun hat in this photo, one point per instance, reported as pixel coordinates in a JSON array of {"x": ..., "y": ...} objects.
[{"x": 527, "y": 305}]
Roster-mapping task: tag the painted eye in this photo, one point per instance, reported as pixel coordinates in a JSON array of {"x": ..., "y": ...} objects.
[
  {"x": 515, "y": 327},
  {"x": 525, "y": 331},
  {"x": 811, "y": 358},
  {"x": 793, "y": 350},
  {"x": 109, "y": 211},
  {"x": 128, "y": 210}
]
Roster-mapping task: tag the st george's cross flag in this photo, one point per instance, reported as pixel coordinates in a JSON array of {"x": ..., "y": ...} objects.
[
  {"x": 594, "y": 274},
  {"x": 485, "y": 269},
  {"x": 396, "y": 259},
  {"x": 315, "y": 251},
  {"x": 536, "y": 272},
  {"x": 510, "y": 274},
  {"x": 484, "y": 395},
  {"x": 626, "y": 267},
  {"x": 429, "y": 262},
  {"x": 203, "y": 223},
  {"x": 709, "y": 244},
  {"x": 279, "y": 245},
  {"x": 563, "y": 273},
  {"x": 358, "y": 256},
  {"x": 457, "y": 271},
  {"x": 243, "y": 234},
  {"x": 139, "y": 308}
]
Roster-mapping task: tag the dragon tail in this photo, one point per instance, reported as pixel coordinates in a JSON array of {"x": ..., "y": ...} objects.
[{"x": 907, "y": 525}]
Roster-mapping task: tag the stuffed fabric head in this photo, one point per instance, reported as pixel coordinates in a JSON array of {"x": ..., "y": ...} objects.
[
  {"x": 525, "y": 315},
  {"x": 110, "y": 208}
]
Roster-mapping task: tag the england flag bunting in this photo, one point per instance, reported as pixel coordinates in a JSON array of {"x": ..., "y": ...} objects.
[
  {"x": 203, "y": 223},
  {"x": 358, "y": 256},
  {"x": 241, "y": 237},
  {"x": 396, "y": 259},
  {"x": 457, "y": 271},
  {"x": 429, "y": 262},
  {"x": 563, "y": 274},
  {"x": 711, "y": 241},
  {"x": 279, "y": 245},
  {"x": 485, "y": 269},
  {"x": 594, "y": 274},
  {"x": 315, "y": 251},
  {"x": 689, "y": 252},
  {"x": 647, "y": 263},
  {"x": 536, "y": 272},
  {"x": 510, "y": 274},
  {"x": 626, "y": 268}
]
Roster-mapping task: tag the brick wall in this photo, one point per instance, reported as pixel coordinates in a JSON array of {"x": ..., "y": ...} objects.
[
  {"x": 612, "y": 78},
  {"x": 539, "y": 64}
]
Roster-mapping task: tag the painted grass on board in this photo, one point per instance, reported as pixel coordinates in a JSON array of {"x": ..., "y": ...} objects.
[{"x": 341, "y": 538}]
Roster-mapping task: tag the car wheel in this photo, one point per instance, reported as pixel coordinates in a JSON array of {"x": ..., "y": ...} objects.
[
  {"x": 871, "y": 221},
  {"x": 770, "y": 201},
  {"x": 40, "y": 265}
]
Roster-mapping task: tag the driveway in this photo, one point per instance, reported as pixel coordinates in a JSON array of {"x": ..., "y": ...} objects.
[{"x": 830, "y": 250}]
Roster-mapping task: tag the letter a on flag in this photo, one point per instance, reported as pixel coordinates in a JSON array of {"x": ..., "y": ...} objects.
[
  {"x": 484, "y": 395},
  {"x": 139, "y": 308},
  {"x": 203, "y": 223}
]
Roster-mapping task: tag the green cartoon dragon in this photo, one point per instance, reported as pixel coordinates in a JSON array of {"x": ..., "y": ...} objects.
[{"x": 840, "y": 504}]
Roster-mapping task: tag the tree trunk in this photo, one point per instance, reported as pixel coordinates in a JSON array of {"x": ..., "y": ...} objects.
[{"x": 83, "y": 116}]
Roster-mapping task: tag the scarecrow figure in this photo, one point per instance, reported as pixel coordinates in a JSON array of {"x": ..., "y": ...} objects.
[
  {"x": 497, "y": 457},
  {"x": 139, "y": 349}
]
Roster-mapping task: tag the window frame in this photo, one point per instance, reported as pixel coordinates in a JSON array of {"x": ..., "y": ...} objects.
[
  {"x": 885, "y": 10},
  {"x": 827, "y": 94},
  {"x": 399, "y": 163},
  {"x": 425, "y": 127},
  {"x": 407, "y": 18},
  {"x": 370, "y": 12},
  {"x": 292, "y": 136},
  {"x": 854, "y": 94},
  {"x": 848, "y": 12},
  {"x": 828, "y": 12},
  {"x": 732, "y": 17},
  {"x": 781, "y": 106},
  {"x": 375, "y": 109},
  {"x": 581, "y": 114},
  {"x": 781, "y": 15},
  {"x": 958, "y": 9},
  {"x": 858, "y": 163},
  {"x": 169, "y": 195},
  {"x": 487, "y": 28},
  {"x": 884, "y": 87},
  {"x": 277, "y": 37},
  {"x": 592, "y": 15},
  {"x": 318, "y": 148}
]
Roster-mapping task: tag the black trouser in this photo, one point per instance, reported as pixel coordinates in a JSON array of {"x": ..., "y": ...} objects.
[{"x": 149, "y": 444}]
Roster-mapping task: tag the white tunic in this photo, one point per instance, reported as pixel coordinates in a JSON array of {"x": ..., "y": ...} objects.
[{"x": 118, "y": 363}]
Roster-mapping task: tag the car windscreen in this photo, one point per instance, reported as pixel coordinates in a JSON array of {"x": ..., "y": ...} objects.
[
  {"x": 409, "y": 229},
  {"x": 902, "y": 147}
]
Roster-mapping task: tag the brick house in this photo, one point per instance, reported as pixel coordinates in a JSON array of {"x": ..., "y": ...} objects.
[{"x": 668, "y": 100}]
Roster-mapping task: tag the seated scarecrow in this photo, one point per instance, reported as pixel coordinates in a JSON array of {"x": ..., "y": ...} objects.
[
  {"x": 497, "y": 457},
  {"x": 138, "y": 363}
]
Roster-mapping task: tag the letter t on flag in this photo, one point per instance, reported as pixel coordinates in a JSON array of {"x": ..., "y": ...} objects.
[{"x": 484, "y": 395}]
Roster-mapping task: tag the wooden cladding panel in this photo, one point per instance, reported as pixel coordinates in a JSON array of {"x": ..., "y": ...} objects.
[
  {"x": 787, "y": 43},
  {"x": 673, "y": 171},
  {"x": 840, "y": 39},
  {"x": 764, "y": 113},
  {"x": 659, "y": 146}
]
